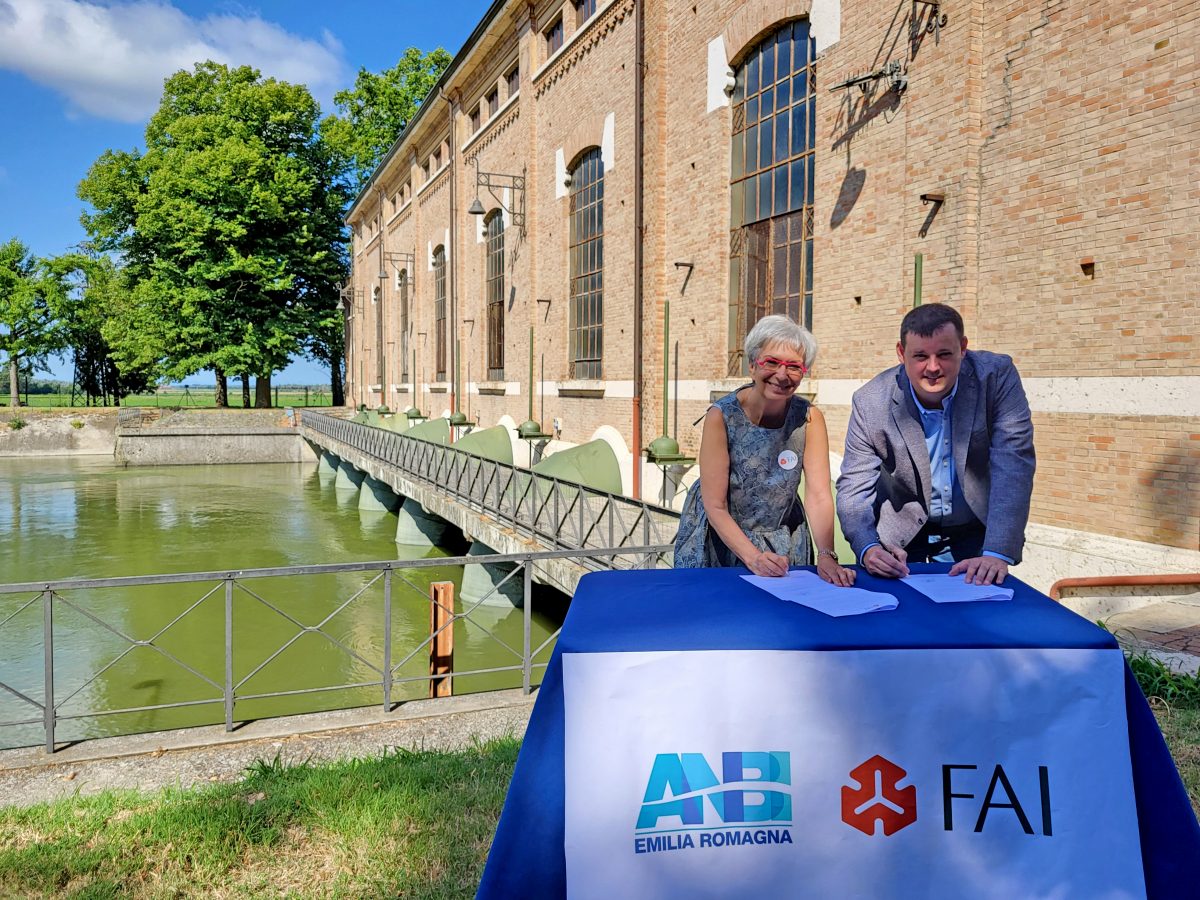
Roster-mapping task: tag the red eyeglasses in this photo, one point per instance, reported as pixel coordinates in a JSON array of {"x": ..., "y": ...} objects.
[{"x": 793, "y": 369}]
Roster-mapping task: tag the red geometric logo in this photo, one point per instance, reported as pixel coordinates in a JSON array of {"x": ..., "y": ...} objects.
[{"x": 878, "y": 797}]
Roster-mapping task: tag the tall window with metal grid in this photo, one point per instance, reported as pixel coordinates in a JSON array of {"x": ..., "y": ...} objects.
[
  {"x": 771, "y": 184},
  {"x": 494, "y": 228},
  {"x": 402, "y": 297},
  {"x": 439, "y": 312},
  {"x": 587, "y": 266}
]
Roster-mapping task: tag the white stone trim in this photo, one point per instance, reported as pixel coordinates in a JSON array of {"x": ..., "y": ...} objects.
[
  {"x": 510, "y": 388},
  {"x": 825, "y": 20},
  {"x": 1176, "y": 396},
  {"x": 608, "y": 144},
  {"x": 718, "y": 73},
  {"x": 1052, "y": 553},
  {"x": 560, "y": 174}
]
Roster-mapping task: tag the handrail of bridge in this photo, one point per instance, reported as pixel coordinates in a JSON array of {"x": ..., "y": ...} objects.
[
  {"x": 383, "y": 662},
  {"x": 553, "y": 511}
]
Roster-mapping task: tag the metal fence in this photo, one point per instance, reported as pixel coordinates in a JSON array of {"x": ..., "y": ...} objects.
[
  {"x": 385, "y": 666},
  {"x": 552, "y": 511}
]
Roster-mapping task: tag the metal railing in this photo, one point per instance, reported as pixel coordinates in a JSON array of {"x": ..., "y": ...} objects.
[
  {"x": 552, "y": 511},
  {"x": 384, "y": 664}
]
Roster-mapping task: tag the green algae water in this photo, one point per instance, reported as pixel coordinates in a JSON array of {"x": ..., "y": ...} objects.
[{"x": 85, "y": 517}]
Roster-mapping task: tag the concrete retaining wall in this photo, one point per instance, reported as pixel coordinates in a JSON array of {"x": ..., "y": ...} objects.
[
  {"x": 149, "y": 437},
  {"x": 207, "y": 447},
  {"x": 78, "y": 432}
]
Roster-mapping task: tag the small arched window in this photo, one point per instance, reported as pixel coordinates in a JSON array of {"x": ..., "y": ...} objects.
[
  {"x": 771, "y": 182},
  {"x": 494, "y": 230},
  {"x": 439, "y": 312},
  {"x": 586, "y": 345}
]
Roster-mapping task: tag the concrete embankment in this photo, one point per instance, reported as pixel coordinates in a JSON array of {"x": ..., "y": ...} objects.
[
  {"x": 63, "y": 432},
  {"x": 198, "y": 756},
  {"x": 139, "y": 436},
  {"x": 153, "y": 437}
]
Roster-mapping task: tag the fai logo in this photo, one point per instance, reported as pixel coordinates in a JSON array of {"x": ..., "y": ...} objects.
[{"x": 879, "y": 797}]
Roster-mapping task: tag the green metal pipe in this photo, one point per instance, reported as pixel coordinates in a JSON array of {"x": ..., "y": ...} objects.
[
  {"x": 530, "y": 373},
  {"x": 666, "y": 358},
  {"x": 918, "y": 267}
]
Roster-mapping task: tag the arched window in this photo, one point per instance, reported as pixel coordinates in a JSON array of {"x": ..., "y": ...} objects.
[
  {"x": 402, "y": 291},
  {"x": 494, "y": 226},
  {"x": 439, "y": 312},
  {"x": 771, "y": 213},
  {"x": 587, "y": 266}
]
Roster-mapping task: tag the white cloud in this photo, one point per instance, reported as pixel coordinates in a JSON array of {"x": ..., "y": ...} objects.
[{"x": 109, "y": 59}]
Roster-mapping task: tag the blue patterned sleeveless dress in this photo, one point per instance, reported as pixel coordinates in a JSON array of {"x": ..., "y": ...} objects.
[{"x": 763, "y": 497}]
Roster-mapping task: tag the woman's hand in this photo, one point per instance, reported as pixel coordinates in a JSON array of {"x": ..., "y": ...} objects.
[
  {"x": 771, "y": 565},
  {"x": 829, "y": 570}
]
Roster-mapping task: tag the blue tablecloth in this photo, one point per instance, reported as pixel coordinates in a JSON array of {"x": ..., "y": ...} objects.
[{"x": 714, "y": 609}]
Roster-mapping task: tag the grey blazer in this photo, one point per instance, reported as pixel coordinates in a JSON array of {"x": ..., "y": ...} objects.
[{"x": 883, "y": 492}]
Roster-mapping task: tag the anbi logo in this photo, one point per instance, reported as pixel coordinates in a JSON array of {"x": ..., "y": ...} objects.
[
  {"x": 686, "y": 807},
  {"x": 748, "y": 791},
  {"x": 879, "y": 798}
]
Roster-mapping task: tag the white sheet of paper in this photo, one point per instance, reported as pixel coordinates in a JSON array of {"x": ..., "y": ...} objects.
[
  {"x": 807, "y": 589},
  {"x": 944, "y": 589}
]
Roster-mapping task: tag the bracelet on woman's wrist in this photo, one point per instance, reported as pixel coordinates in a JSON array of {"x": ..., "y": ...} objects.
[{"x": 832, "y": 554}]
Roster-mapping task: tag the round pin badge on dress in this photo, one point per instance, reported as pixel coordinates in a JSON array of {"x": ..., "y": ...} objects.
[{"x": 788, "y": 459}]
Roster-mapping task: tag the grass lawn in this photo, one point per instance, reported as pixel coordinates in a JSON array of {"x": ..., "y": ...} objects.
[
  {"x": 1181, "y": 727},
  {"x": 409, "y": 824}
]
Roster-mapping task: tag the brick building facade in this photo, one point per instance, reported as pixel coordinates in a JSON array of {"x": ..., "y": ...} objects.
[{"x": 1040, "y": 160}]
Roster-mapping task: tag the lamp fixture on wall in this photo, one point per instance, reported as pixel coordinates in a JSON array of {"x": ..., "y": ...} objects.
[{"x": 494, "y": 180}]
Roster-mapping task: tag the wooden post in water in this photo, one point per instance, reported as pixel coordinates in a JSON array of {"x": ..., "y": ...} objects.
[{"x": 441, "y": 644}]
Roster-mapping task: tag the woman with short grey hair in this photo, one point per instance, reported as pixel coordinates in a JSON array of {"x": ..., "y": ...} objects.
[{"x": 745, "y": 508}]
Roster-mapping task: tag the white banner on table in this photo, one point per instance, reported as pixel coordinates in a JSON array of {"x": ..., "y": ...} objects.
[{"x": 873, "y": 773}]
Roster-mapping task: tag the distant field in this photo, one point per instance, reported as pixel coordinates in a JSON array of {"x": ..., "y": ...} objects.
[{"x": 200, "y": 397}]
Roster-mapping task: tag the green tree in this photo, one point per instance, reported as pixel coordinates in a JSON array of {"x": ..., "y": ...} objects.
[
  {"x": 371, "y": 116},
  {"x": 31, "y": 294},
  {"x": 228, "y": 224},
  {"x": 97, "y": 296}
]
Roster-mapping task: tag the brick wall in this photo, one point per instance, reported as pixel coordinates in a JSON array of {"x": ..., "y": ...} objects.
[{"x": 1062, "y": 134}]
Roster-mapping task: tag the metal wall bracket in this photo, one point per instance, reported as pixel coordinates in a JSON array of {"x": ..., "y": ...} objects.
[
  {"x": 893, "y": 71},
  {"x": 494, "y": 181},
  {"x": 933, "y": 25}
]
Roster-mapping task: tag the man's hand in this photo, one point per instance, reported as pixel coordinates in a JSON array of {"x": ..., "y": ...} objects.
[
  {"x": 982, "y": 569},
  {"x": 771, "y": 565},
  {"x": 886, "y": 562}
]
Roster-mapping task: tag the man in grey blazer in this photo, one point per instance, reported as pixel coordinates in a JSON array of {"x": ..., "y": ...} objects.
[{"x": 939, "y": 456}]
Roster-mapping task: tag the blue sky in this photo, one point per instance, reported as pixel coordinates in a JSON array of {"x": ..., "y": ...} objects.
[{"x": 78, "y": 77}]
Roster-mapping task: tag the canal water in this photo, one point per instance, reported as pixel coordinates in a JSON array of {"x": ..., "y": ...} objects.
[{"x": 85, "y": 517}]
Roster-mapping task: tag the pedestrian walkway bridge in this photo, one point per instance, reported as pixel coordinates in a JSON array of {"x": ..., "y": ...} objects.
[{"x": 499, "y": 506}]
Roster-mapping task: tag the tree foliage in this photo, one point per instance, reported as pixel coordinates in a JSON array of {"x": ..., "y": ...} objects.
[
  {"x": 31, "y": 295},
  {"x": 371, "y": 115},
  {"x": 228, "y": 226},
  {"x": 98, "y": 293}
]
